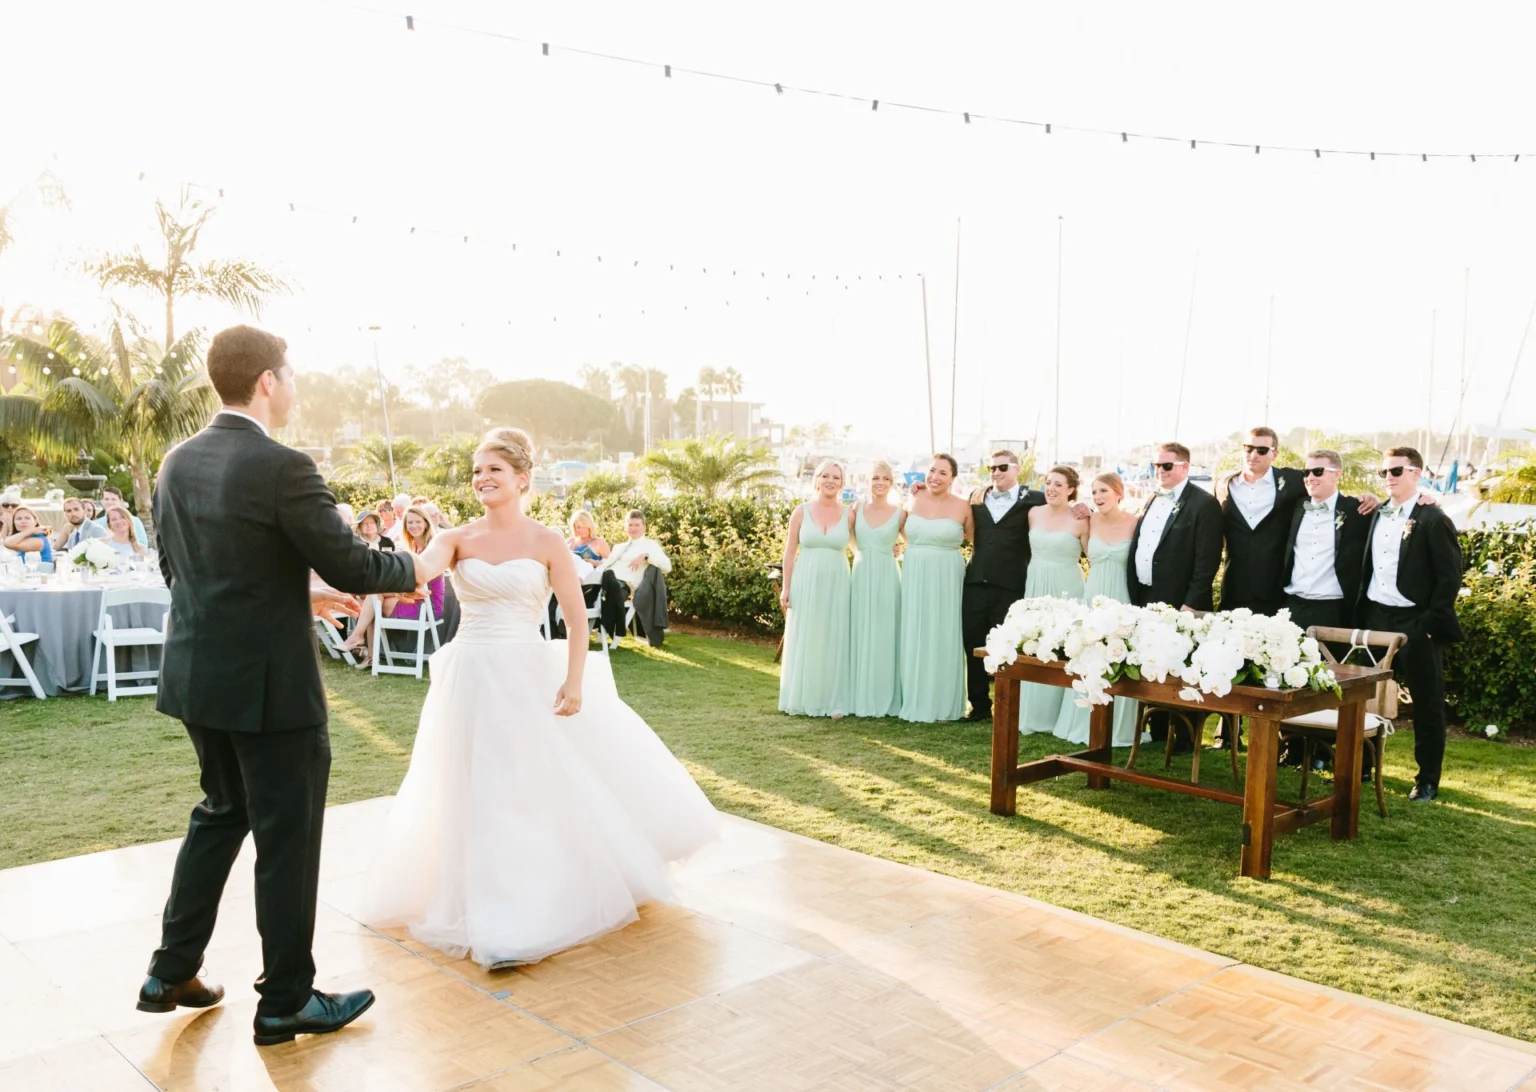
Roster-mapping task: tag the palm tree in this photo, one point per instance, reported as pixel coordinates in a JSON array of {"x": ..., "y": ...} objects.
[
  {"x": 1516, "y": 484},
  {"x": 731, "y": 384},
  {"x": 709, "y": 383},
  {"x": 370, "y": 457},
  {"x": 711, "y": 465},
  {"x": 595, "y": 380},
  {"x": 122, "y": 392},
  {"x": 238, "y": 283}
]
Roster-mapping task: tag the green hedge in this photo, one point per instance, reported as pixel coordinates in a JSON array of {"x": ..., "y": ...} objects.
[{"x": 1490, "y": 675}]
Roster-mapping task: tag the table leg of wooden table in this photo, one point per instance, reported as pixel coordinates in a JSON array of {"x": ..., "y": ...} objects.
[
  {"x": 1346, "y": 771},
  {"x": 1100, "y": 720},
  {"x": 1005, "y": 746},
  {"x": 1259, "y": 797}
]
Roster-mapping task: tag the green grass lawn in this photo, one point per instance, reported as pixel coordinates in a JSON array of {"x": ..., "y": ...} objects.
[{"x": 1433, "y": 908}]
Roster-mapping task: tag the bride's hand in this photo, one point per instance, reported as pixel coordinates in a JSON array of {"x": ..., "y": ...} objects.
[{"x": 568, "y": 700}]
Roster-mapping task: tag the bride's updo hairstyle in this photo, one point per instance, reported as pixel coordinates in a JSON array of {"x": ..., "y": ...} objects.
[{"x": 512, "y": 445}]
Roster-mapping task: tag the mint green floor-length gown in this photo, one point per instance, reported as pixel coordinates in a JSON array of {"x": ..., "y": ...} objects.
[
  {"x": 1106, "y": 576},
  {"x": 814, "y": 679},
  {"x": 1053, "y": 570},
  {"x": 874, "y": 672},
  {"x": 932, "y": 649}
]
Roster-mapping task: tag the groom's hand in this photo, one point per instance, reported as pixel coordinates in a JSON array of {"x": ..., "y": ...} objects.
[{"x": 330, "y": 601}]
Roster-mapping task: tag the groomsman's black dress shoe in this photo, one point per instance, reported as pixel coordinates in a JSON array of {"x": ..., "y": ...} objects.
[
  {"x": 976, "y": 715},
  {"x": 1423, "y": 794},
  {"x": 325, "y": 1012},
  {"x": 158, "y": 995}
]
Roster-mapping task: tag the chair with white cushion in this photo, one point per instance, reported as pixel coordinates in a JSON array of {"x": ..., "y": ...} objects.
[
  {"x": 12, "y": 641},
  {"x": 423, "y": 626},
  {"x": 1378, "y": 650},
  {"x": 110, "y": 637}
]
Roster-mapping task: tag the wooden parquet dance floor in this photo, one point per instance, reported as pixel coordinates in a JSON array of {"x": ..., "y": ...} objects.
[{"x": 789, "y": 965}]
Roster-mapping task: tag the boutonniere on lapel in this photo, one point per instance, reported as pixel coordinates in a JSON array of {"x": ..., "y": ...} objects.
[
  {"x": 1338, "y": 522},
  {"x": 1175, "y": 510},
  {"x": 1279, "y": 485},
  {"x": 1407, "y": 529}
]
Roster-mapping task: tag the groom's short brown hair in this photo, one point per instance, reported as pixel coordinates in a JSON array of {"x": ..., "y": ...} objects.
[{"x": 237, "y": 358}]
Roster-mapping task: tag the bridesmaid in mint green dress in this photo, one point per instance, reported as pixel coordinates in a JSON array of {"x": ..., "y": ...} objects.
[
  {"x": 1056, "y": 540},
  {"x": 874, "y": 681},
  {"x": 935, "y": 526},
  {"x": 814, "y": 679},
  {"x": 1109, "y": 552}
]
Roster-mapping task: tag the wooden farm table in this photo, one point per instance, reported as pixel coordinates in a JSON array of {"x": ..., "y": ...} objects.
[{"x": 1263, "y": 816}]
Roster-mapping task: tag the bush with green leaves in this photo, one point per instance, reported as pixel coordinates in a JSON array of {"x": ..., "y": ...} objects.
[
  {"x": 1499, "y": 547},
  {"x": 1490, "y": 674}
]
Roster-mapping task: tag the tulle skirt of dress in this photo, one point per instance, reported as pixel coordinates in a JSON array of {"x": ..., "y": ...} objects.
[{"x": 516, "y": 833}]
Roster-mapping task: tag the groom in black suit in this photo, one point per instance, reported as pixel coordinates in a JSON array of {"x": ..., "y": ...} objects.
[
  {"x": 240, "y": 522},
  {"x": 1410, "y": 583},
  {"x": 994, "y": 578},
  {"x": 1257, "y": 506}
]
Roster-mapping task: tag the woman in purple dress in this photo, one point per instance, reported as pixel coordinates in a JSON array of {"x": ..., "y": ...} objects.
[{"x": 414, "y": 536}]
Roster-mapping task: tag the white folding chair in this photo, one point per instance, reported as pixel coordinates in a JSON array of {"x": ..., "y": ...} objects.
[
  {"x": 326, "y": 633},
  {"x": 11, "y": 641},
  {"x": 423, "y": 626},
  {"x": 110, "y": 638}
]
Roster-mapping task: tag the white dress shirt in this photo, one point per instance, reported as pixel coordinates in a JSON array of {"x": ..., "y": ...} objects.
[
  {"x": 1254, "y": 500},
  {"x": 1385, "y": 544},
  {"x": 999, "y": 504},
  {"x": 1159, "y": 512},
  {"x": 1313, "y": 575},
  {"x": 626, "y": 552}
]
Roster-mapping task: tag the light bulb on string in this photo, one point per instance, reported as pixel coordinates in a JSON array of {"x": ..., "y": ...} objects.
[
  {"x": 47, "y": 371},
  {"x": 76, "y": 371}
]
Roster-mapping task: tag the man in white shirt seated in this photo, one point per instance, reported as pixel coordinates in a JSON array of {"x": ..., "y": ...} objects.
[
  {"x": 624, "y": 570},
  {"x": 112, "y": 497},
  {"x": 77, "y": 528}
]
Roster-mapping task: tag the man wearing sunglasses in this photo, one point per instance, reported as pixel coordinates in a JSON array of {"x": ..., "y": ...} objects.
[
  {"x": 994, "y": 579},
  {"x": 1258, "y": 504},
  {"x": 1411, "y": 578},
  {"x": 1324, "y": 548}
]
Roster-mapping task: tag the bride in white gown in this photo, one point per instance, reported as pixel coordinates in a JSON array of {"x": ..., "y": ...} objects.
[{"x": 539, "y": 810}]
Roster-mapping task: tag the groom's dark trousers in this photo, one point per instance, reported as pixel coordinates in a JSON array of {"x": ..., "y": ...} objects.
[{"x": 240, "y": 523}]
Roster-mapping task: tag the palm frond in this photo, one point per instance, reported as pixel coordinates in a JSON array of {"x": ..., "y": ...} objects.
[
  {"x": 240, "y": 284},
  {"x": 130, "y": 270},
  {"x": 18, "y": 418}
]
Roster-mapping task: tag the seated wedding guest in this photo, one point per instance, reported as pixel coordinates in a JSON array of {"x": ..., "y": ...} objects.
[
  {"x": 120, "y": 534},
  {"x": 625, "y": 572},
  {"x": 874, "y": 652},
  {"x": 416, "y": 536},
  {"x": 10, "y": 500},
  {"x": 111, "y": 497},
  {"x": 78, "y": 525},
  {"x": 1109, "y": 550},
  {"x": 387, "y": 517},
  {"x": 584, "y": 540},
  {"x": 935, "y": 525},
  {"x": 1175, "y": 549},
  {"x": 1410, "y": 582},
  {"x": 29, "y": 536},
  {"x": 1057, "y": 539},
  {"x": 371, "y": 531},
  {"x": 814, "y": 679}
]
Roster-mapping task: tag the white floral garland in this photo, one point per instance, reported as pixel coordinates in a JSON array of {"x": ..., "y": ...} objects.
[{"x": 1105, "y": 641}]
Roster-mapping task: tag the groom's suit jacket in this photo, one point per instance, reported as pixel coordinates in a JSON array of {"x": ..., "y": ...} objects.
[
  {"x": 240, "y": 520},
  {"x": 1000, "y": 552}
]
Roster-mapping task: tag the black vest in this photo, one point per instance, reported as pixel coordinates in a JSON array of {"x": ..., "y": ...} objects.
[{"x": 1000, "y": 553}]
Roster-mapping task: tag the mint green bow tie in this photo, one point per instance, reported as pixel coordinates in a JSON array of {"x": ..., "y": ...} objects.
[{"x": 1317, "y": 506}]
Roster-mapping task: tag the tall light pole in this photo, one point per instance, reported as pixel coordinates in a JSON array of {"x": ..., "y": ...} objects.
[
  {"x": 1056, "y": 428},
  {"x": 389, "y": 436}
]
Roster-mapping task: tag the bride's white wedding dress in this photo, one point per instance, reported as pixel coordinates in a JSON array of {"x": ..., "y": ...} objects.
[{"x": 517, "y": 833}]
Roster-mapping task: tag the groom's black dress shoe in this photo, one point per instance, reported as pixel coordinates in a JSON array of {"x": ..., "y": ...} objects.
[
  {"x": 1423, "y": 794},
  {"x": 325, "y": 1012},
  {"x": 158, "y": 995}
]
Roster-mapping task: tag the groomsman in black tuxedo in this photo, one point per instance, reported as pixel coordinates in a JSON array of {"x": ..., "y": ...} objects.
[
  {"x": 994, "y": 578},
  {"x": 1258, "y": 504},
  {"x": 1410, "y": 581},
  {"x": 1175, "y": 549},
  {"x": 1324, "y": 548}
]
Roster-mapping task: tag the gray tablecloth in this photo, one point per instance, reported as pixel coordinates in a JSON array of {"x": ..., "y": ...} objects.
[{"x": 64, "y": 618}]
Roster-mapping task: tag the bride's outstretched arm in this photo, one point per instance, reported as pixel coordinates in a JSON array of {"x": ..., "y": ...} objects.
[
  {"x": 434, "y": 561},
  {"x": 567, "y": 587}
]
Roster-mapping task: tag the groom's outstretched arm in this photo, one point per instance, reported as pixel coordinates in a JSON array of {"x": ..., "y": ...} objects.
[{"x": 308, "y": 516}]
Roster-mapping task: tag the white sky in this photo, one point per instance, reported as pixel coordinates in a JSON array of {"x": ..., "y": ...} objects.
[{"x": 328, "y": 106}]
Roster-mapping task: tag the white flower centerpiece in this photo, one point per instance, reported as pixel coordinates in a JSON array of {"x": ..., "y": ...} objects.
[
  {"x": 94, "y": 555},
  {"x": 1105, "y": 641}
]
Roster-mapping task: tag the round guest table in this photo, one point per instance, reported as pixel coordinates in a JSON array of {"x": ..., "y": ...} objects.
[{"x": 64, "y": 613}]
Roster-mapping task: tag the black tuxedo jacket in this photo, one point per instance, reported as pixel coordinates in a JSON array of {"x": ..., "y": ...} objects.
[
  {"x": 1351, "y": 533},
  {"x": 1428, "y": 572},
  {"x": 1256, "y": 571},
  {"x": 1000, "y": 552},
  {"x": 1188, "y": 554},
  {"x": 240, "y": 520}
]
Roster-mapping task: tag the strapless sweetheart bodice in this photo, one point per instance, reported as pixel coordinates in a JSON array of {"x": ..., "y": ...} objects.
[{"x": 501, "y": 603}]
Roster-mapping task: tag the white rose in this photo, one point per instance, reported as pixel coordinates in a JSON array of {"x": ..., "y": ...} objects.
[
  {"x": 1491, "y": 731},
  {"x": 1296, "y": 677}
]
